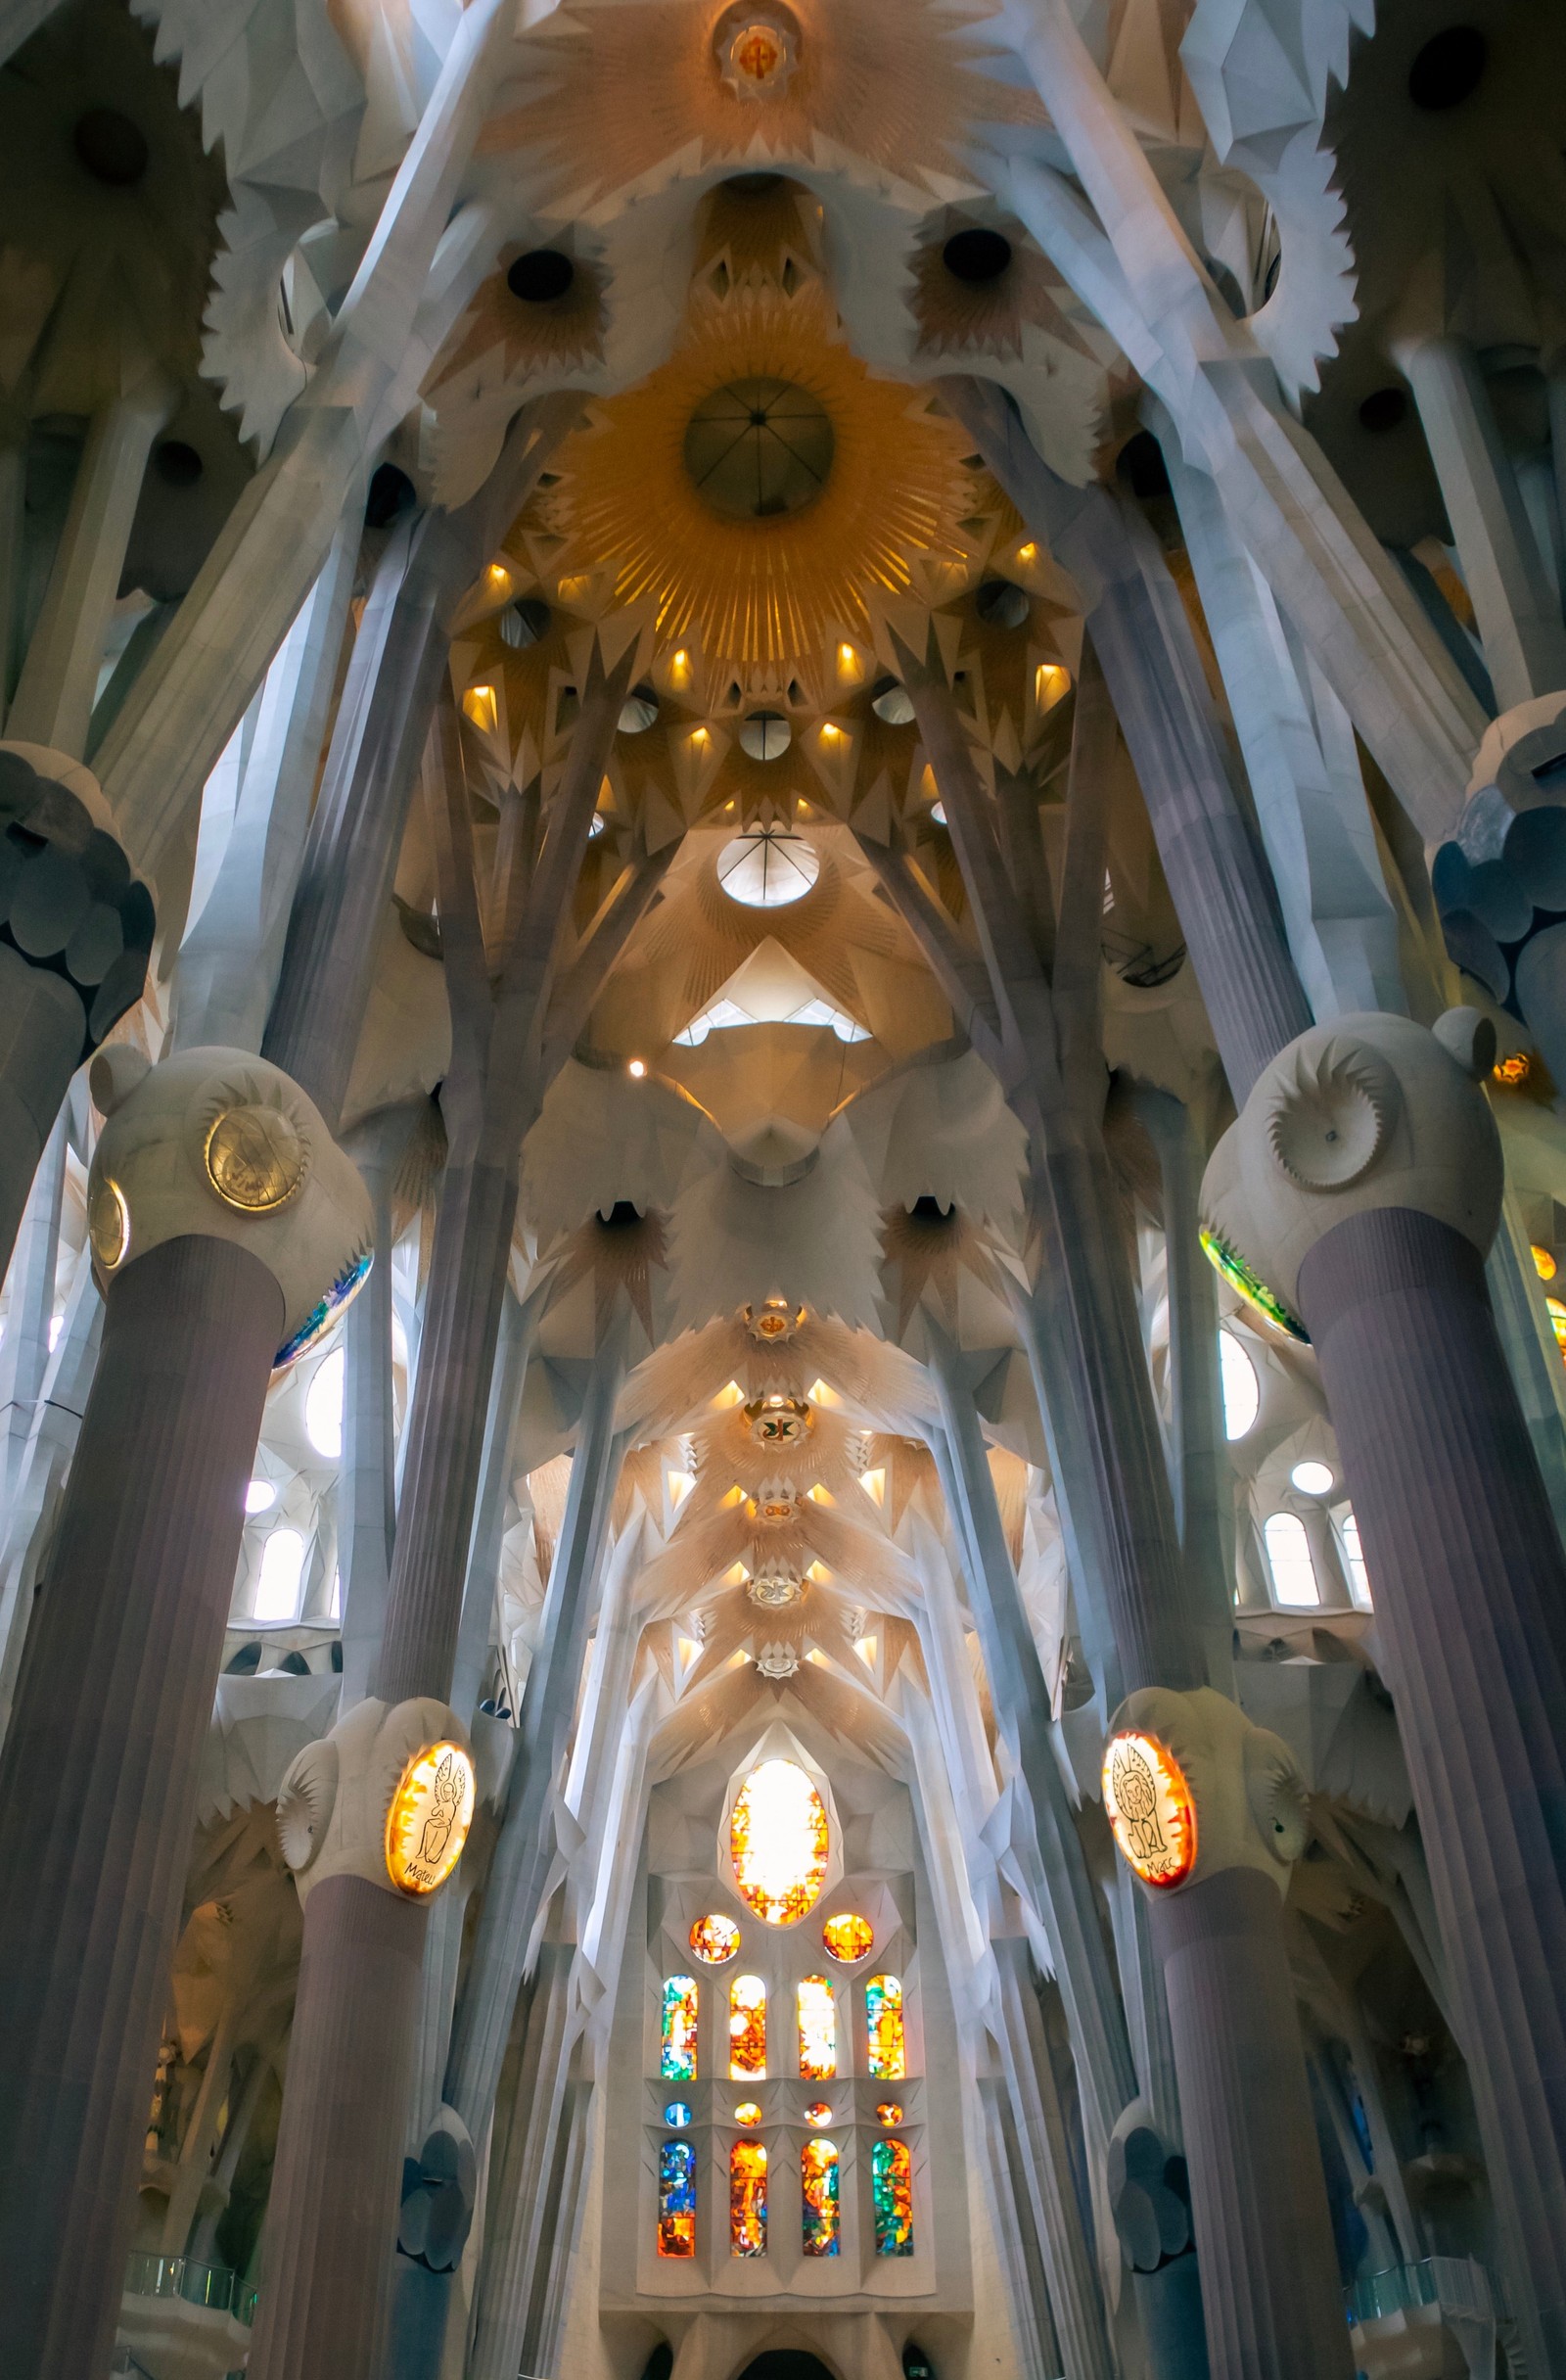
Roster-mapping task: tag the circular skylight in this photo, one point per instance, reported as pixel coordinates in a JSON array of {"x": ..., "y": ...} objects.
[
  {"x": 759, "y": 448},
  {"x": 767, "y": 868},
  {"x": 1311, "y": 1478}
]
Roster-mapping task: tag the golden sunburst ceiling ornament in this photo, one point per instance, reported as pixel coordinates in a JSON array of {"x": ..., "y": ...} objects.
[
  {"x": 881, "y": 501},
  {"x": 632, "y": 90}
]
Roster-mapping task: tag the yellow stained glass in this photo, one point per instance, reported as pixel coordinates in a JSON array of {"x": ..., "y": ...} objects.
[
  {"x": 818, "y": 2113},
  {"x": 888, "y": 2111},
  {"x": 818, "y": 2030},
  {"x": 883, "y": 2017},
  {"x": 714, "y": 1941},
  {"x": 1557, "y": 1318},
  {"x": 746, "y": 2198},
  {"x": 748, "y": 2113},
  {"x": 892, "y": 2194},
  {"x": 747, "y": 2029},
  {"x": 778, "y": 1842},
  {"x": 847, "y": 1937}
]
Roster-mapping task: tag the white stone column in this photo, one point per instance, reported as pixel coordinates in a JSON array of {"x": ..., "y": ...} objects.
[
  {"x": 59, "y": 679},
  {"x": 1517, "y": 609}
]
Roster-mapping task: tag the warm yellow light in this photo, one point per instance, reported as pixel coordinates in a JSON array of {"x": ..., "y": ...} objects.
[
  {"x": 1557, "y": 1318},
  {"x": 748, "y": 2113},
  {"x": 1543, "y": 1262},
  {"x": 1514, "y": 1069},
  {"x": 847, "y": 1937},
  {"x": 874, "y": 1484},
  {"x": 698, "y": 736},
  {"x": 736, "y": 1495},
  {"x": 867, "y": 1651},
  {"x": 636, "y": 1069},
  {"x": 427, "y": 1822},
  {"x": 688, "y": 1647},
  {"x": 1026, "y": 553},
  {"x": 820, "y": 1394},
  {"x": 481, "y": 706},
  {"x": 820, "y": 1572},
  {"x": 500, "y": 579},
  {"x": 1050, "y": 682},
  {"x": 830, "y": 734},
  {"x": 680, "y": 1484},
  {"x": 733, "y": 1394},
  {"x": 819, "y": 1495},
  {"x": 1149, "y": 1806},
  {"x": 778, "y": 1842},
  {"x": 715, "y": 1939},
  {"x": 846, "y": 654}
]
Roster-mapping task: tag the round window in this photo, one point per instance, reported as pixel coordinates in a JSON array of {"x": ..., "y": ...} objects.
[
  {"x": 759, "y": 448},
  {"x": 767, "y": 868}
]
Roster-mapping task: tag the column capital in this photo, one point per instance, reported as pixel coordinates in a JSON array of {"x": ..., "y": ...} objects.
[
  {"x": 1369, "y": 1111},
  {"x": 1193, "y": 1789},
  {"x": 220, "y": 1145}
]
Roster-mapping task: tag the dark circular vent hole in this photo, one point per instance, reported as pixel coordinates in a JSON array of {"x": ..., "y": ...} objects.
[
  {"x": 541, "y": 275},
  {"x": 927, "y": 1209},
  {"x": 1383, "y": 409},
  {"x": 1447, "y": 70},
  {"x": 113, "y": 148},
  {"x": 391, "y": 493},
  {"x": 176, "y": 464},
  {"x": 1002, "y": 603},
  {"x": 622, "y": 1216},
  {"x": 977, "y": 256},
  {"x": 1139, "y": 466}
]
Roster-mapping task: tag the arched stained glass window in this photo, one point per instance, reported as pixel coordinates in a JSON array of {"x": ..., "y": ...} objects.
[
  {"x": 883, "y": 2018},
  {"x": 818, "y": 2030},
  {"x": 778, "y": 1841},
  {"x": 747, "y": 2029},
  {"x": 677, "y": 2047},
  {"x": 746, "y": 2198},
  {"x": 1288, "y": 1554},
  {"x": 892, "y": 2190},
  {"x": 677, "y": 2199},
  {"x": 819, "y": 2178}
]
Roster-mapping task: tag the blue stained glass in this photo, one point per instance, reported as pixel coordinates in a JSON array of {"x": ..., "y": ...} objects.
[
  {"x": 677, "y": 2199},
  {"x": 678, "y": 2115}
]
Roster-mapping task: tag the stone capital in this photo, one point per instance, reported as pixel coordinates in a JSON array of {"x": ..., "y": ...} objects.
[
  {"x": 1369, "y": 1111},
  {"x": 219, "y": 1145}
]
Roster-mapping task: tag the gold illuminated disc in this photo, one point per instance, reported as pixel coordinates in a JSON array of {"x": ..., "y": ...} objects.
[
  {"x": 1149, "y": 1806},
  {"x": 107, "y": 1223},
  {"x": 427, "y": 1822},
  {"x": 255, "y": 1160}
]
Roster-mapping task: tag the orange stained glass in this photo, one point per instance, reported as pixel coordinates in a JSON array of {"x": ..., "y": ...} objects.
[
  {"x": 748, "y": 2113},
  {"x": 847, "y": 1937},
  {"x": 778, "y": 1841},
  {"x": 747, "y": 2029},
  {"x": 818, "y": 2030},
  {"x": 715, "y": 1939},
  {"x": 746, "y": 2198},
  {"x": 818, "y": 2180},
  {"x": 892, "y": 2197},
  {"x": 888, "y": 2111},
  {"x": 883, "y": 2018},
  {"x": 1557, "y": 1318},
  {"x": 1149, "y": 1806},
  {"x": 818, "y": 2113}
]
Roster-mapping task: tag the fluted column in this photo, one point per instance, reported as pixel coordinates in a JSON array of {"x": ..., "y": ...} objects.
[{"x": 99, "y": 1768}]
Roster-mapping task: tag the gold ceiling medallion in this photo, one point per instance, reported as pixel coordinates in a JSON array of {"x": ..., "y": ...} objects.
[
  {"x": 774, "y": 1507},
  {"x": 775, "y": 1584},
  {"x": 773, "y": 1321},
  {"x": 778, "y": 1421},
  {"x": 757, "y": 52},
  {"x": 255, "y": 1159},
  {"x": 868, "y": 502}
]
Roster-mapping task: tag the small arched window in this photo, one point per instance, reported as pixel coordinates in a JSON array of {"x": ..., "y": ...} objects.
[
  {"x": 747, "y": 2029},
  {"x": 1288, "y": 1552},
  {"x": 892, "y": 2190},
  {"x": 747, "y": 2199},
  {"x": 323, "y": 1406},
  {"x": 1242, "y": 1391},
  {"x": 818, "y": 2181},
  {"x": 277, "y": 1590},
  {"x": 1354, "y": 1563},
  {"x": 677, "y": 2199},
  {"x": 677, "y": 2062},
  {"x": 818, "y": 2030},
  {"x": 883, "y": 2020}
]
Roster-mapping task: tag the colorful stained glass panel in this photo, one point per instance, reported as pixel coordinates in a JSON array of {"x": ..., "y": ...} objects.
[
  {"x": 819, "y": 2178},
  {"x": 847, "y": 1937},
  {"x": 715, "y": 1939},
  {"x": 778, "y": 1842},
  {"x": 747, "y": 2029},
  {"x": 892, "y": 2190},
  {"x": 677, "y": 2115},
  {"x": 883, "y": 2017},
  {"x": 818, "y": 2113},
  {"x": 818, "y": 2030},
  {"x": 888, "y": 2111},
  {"x": 678, "y": 2045},
  {"x": 747, "y": 2113},
  {"x": 746, "y": 2198},
  {"x": 677, "y": 2199}
]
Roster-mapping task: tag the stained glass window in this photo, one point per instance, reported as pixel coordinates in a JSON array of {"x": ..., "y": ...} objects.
[
  {"x": 888, "y": 2111},
  {"x": 746, "y": 2198},
  {"x": 818, "y": 2030},
  {"x": 883, "y": 2017},
  {"x": 747, "y": 2027},
  {"x": 892, "y": 2190},
  {"x": 747, "y": 2113},
  {"x": 714, "y": 1941},
  {"x": 677, "y": 2055},
  {"x": 848, "y": 1937},
  {"x": 677, "y": 2115},
  {"x": 677, "y": 2199},
  {"x": 778, "y": 1842},
  {"x": 818, "y": 2113},
  {"x": 818, "y": 2177}
]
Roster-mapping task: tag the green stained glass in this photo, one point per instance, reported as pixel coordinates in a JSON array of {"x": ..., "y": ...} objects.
[
  {"x": 892, "y": 2190},
  {"x": 1244, "y": 1278},
  {"x": 818, "y": 2175},
  {"x": 678, "y": 2044}
]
